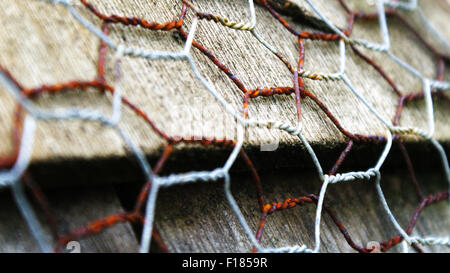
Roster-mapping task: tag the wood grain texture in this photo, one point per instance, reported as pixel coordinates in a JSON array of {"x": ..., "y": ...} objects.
[
  {"x": 43, "y": 44},
  {"x": 197, "y": 218},
  {"x": 72, "y": 208}
]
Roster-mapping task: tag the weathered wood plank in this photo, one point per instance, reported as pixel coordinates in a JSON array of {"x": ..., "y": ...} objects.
[
  {"x": 48, "y": 46},
  {"x": 72, "y": 208},
  {"x": 197, "y": 218}
]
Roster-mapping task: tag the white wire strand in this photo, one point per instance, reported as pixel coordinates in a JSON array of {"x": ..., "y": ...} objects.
[{"x": 10, "y": 177}]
